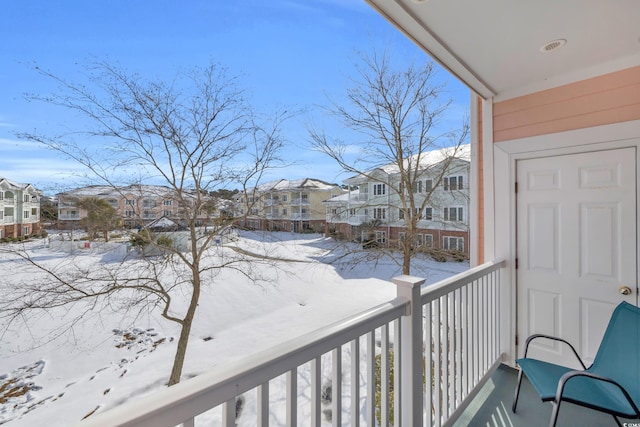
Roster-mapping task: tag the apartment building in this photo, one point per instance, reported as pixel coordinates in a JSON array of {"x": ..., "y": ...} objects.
[
  {"x": 138, "y": 205},
  {"x": 19, "y": 209},
  {"x": 287, "y": 205},
  {"x": 371, "y": 208}
]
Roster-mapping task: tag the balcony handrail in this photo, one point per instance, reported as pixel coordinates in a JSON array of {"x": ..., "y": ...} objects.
[
  {"x": 181, "y": 403},
  {"x": 209, "y": 390},
  {"x": 446, "y": 286}
]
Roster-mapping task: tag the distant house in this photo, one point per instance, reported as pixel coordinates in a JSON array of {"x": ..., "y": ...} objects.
[
  {"x": 19, "y": 209},
  {"x": 137, "y": 205},
  {"x": 287, "y": 205},
  {"x": 371, "y": 209}
]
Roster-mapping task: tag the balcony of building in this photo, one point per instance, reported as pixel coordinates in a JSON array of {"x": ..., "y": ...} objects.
[
  {"x": 458, "y": 320},
  {"x": 300, "y": 201},
  {"x": 297, "y": 216}
]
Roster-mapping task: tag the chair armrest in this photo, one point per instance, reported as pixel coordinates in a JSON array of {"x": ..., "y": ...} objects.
[
  {"x": 535, "y": 336},
  {"x": 572, "y": 374}
]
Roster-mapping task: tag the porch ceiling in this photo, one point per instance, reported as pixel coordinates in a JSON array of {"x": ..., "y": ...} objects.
[{"x": 494, "y": 45}]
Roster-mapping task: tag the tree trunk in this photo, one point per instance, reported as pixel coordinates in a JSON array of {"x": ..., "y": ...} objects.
[
  {"x": 181, "y": 351},
  {"x": 185, "y": 331},
  {"x": 406, "y": 261}
]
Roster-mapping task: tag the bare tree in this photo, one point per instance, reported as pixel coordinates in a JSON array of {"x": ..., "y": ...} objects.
[
  {"x": 193, "y": 134},
  {"x": 396, "y": 115}
]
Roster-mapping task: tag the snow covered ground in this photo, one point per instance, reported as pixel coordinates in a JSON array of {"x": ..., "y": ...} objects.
[{"x": 55, "y": 379}]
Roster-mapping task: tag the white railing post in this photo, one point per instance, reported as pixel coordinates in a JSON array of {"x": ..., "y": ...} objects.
[{"x": 410, "y": 369}]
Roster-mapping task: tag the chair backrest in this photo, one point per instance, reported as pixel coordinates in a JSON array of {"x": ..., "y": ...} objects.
[{"x": 618, "y": 356}]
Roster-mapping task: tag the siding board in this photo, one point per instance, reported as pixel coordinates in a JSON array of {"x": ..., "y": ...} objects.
[{"x": 612, "y": 98}]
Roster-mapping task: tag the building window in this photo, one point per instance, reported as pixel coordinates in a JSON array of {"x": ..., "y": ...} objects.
[
  {"x": 417, "y": 241},
  {"x": 25, "y": 198},
  {"x": 379, "y": 213},
  {"x": 1, "y": 215},
  {"x": 284, "y": 211},
  {"x": 379, "y": 189},
  {"x": 453, "y": 183},
  {"x": 381, "y": 236},
  {"x": 285, "y": 198},
  {"x": 453, "y": 243},
  {"x": 417, "y": 187},
  {"x": 453, "y": 214},
  {"x": 402, "y": 239},
  {"x": 167, "y": 202},
  {"x": 166, "y": 213},
  {"x": 25, "y": 214},
  {"x": 25, "y": 231},
  {"x": 428, "y": 185},
  {"x": 129, "y": 214},
  {"x": 1, "y": 195},
  {"x": 400, "y": 213},
  {"x": 130, "y": 202},
  {"x": 428, "y": 214},
  {"x": 428, "y": 240}
]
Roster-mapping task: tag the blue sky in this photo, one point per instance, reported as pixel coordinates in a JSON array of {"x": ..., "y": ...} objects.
[{"x": 292, "y": 53}]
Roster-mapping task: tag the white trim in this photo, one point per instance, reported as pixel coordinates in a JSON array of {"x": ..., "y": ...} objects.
[
  {"x": 474, "y": 177},
  {"x": 505, "y": 154}
]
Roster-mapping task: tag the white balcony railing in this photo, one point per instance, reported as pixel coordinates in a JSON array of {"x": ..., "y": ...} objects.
[
  {"x": 451, "y": 328},
  {"x": 69, "y": 217},
  {"x": 298, "y": 201},
  {"x": 300, "y": 216}
]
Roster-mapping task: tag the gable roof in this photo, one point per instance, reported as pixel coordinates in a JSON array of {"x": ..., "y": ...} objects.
[
  {"x": 427, "y": 159},
  {"x": 8, "y": 184}
]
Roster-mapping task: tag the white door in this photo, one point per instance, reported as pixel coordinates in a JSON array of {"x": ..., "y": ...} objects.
[{"x": 576, "y": 247}]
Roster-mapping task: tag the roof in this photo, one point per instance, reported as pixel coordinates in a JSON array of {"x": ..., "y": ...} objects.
[
  {"x": 298, "y": 184},
  {"x": 427, "y": 159},
  {"x": 344, "y": 197},
  {"x": 7, "y": 183},
  {"x": 497, "y": 48},
  {"x": 110, "y": 191}
]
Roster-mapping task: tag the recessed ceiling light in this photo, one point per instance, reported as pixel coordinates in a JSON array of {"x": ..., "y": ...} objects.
[{"x": 553, "y": 45}]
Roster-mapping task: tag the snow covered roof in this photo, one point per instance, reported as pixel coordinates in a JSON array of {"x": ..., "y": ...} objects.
[
  {"x": 110, "y": 191},
  {"x": 8, "y": 184},
  {"x": 344, "y": 197},
  {"x": 427, "y": 159},
  {"x": 297, "y": 184}
]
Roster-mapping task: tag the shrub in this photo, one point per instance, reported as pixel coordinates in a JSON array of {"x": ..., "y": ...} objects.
[
  {"x": 165, "y": 241},
  {"x": 378, "y": 370},
  {"x": 141, "y": 238}
]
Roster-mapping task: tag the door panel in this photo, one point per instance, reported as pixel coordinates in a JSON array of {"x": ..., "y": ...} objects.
[{"x": 576, "y": 245}]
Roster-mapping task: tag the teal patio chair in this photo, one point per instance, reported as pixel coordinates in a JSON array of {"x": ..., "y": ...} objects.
[{"x": 611, "y": 384}]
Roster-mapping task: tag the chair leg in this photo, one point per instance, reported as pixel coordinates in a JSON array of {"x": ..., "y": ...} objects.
[
  {"x": 554, "y": 414},
  {"x": 515, "y": 398},
  {"x": 617, "y": 421}
]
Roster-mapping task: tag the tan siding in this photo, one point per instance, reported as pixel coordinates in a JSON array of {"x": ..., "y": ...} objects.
[{"x": 611, "y": 98}]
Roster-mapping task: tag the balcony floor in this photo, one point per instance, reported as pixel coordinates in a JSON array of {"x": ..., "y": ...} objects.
[{"x": 492, "y": 407}]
